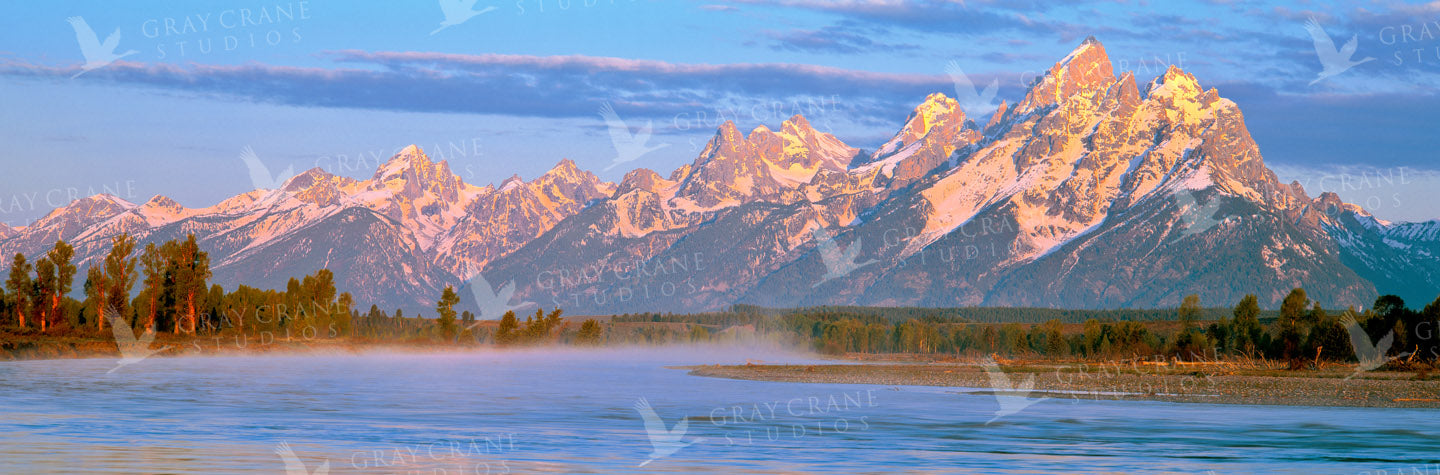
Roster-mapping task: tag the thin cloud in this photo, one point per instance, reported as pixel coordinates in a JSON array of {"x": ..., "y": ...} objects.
[
  {"x": 949, "y": 16},
  {"x": 834, "y": 40},
  {"x": 514, "y": 85}
]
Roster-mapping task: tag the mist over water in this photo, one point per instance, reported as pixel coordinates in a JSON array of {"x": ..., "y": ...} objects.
[{"x": 567, "y": 411}]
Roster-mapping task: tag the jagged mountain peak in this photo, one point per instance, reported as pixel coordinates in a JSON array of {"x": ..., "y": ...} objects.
[
  {"x": 1330, "y": 204},
  {"x": 936, "y": 99},
  {"x": 933, "y": 130},
  {"x": 103, "y": 204},
  {"x": 936, "y": 110},
  {"x": 797, "y": 124},
  {"x": 1174, "y": 83},
  {"x": 160, "y": 210},
  {"x": 998, "y": 116},
  {"x": 67, "y": 222},
  {"x": 511, "y": 183},
  {"x": 412, "y": 160},
  {"x": 1086, "y": 69},
  {"x": 411, "y": 156},
  {"x": 314, "y": 177},
  {"x": 304, "y": 179},
  {"x": 319, "y": 187},
  {"x": 107, "y": 199},
  {"x": 1089, "y": 192},
  {"x": 734, "y": 168},
  {"x": 412, "y": 174},
  {"x": 411, "y": 150},
  {"x": 728, "y": 132},
  {"x": 162, "y": 202},
  {"x": 642, "y": 179},
  {"x": 567, "y": 174},
  {"x": 566, "y": 167},
  {"x": 567, "y": 183}
]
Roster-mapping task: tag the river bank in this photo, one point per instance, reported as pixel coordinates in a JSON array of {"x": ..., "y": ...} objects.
[{"x": 1129, "y": 380}]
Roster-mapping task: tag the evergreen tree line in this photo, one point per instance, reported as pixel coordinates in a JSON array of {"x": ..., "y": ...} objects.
[
  {"x": 538, "y": 329},
  {"x": 1302, "y": 333},
  {"x": 175, "y": 297},
  {"x": 973, "y": 314}
]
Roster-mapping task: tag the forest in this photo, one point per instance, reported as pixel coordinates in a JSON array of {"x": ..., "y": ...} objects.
[{"x": 175, "y": 298}]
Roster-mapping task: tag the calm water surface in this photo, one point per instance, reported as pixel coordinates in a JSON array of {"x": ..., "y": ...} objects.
[{"x": 576, "y": 412}]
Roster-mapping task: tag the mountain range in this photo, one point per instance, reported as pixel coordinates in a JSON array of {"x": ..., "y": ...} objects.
[{"x": 1092, "y": 191}]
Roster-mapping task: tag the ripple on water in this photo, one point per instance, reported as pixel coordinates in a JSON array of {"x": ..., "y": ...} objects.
[{"x": 572, "y": 411}]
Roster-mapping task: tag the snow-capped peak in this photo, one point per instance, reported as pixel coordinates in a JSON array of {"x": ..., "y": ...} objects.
[
  {"x": 932, "y": 132},
  {"x": 1085, "y": 69},
  {"x": 1174, "y": 83},
  {"x": 411, "y": 150},
  {"x": 642, "y": 179},
  {"x": 797, "y": 124},
  {"x": 406, "y": 159},
  {"x": 566, "y": 168},
  {"x": 510, "y": 183},
  {"x": 935, "y": 110}
]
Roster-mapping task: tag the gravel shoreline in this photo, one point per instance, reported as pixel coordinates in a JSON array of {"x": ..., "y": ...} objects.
[{"x": 1121, "y": 382}]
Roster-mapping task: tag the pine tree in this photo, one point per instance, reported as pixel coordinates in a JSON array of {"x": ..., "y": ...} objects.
[
  {"x": 1247, "y": 324},
  {"x": 505, "y": 333},
  {"x": 445, "y": 308},
  {"x": 553, "y": 319},
  {"x": 590, "y": 333},
  {"x": 1292, "y": 309}
]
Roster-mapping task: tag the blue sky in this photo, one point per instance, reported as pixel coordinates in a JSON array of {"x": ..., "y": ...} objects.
[{"x": 342, "y": 85}]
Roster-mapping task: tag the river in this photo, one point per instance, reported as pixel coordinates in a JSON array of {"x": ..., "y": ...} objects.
[{"x": 570, "y": 411}]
